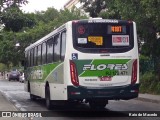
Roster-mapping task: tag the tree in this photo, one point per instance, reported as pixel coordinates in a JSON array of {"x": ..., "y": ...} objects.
[
  {"x": 46, "y": 16},
  {"x": 2, "y": 67},
  {"x": 6, "y": 49},
  {"x": 44, "y": 23},
  {"x": 94, "y": 7},
  {"x": 8, "y": 3},
  {"x": 14, "y": 19}
]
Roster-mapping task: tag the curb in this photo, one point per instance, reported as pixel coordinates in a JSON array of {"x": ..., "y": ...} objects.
[
  {"x": 13, "y": 104},
  {"x": 9, "y": 100},
  {"x": 147, "y": 100}
]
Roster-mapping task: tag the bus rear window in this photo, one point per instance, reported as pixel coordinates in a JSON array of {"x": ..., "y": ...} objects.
[{"x": 98, "y": 37}]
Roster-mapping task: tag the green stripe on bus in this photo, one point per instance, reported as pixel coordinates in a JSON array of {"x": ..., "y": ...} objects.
[
  {"x": 97, "y": 73},
  {"x": 35, "y": 73}
]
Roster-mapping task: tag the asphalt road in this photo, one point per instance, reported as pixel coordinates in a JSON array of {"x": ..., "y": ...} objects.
[{"x": 14, "y": 91}]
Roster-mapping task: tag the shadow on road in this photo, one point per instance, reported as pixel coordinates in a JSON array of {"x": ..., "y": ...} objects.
[{"x": 78, "y": 110}]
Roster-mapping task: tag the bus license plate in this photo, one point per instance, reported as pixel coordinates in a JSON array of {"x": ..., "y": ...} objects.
[{"x": 105, "y": 78}]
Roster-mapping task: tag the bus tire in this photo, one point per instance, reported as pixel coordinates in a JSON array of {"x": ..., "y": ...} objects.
[
  {"x": 96, "y": 104},
  {"x": 32, "y": 97},
  {"x": 47, "y": 97}
]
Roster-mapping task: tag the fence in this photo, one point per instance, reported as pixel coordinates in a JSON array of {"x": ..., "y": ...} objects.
[{"x": 146, "y": 65}]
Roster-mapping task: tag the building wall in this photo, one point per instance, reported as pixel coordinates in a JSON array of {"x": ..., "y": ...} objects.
[
  {"x": 77, "y": 4},
  {"x": 72, "y": 3}
]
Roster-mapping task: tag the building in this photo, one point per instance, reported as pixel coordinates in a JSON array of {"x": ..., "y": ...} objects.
[{"x": 72, "y": 3}]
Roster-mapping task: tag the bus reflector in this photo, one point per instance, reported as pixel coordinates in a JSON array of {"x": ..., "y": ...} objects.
[
  {"x": 130, "y": 21},
  {"x": 134, "y": 91},
  {"x": 74, "y": 75},
  {"x": 75, "y": 22},
  {"x": 134, "y": 72},
  {"x": 75, "y": 93}
]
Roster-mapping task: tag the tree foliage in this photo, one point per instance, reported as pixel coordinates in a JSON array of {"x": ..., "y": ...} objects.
[
  {"x": 14, "y": 20},
  {"x": 94, "y": 7},
  {"x": 46, "y": 16},
  {"x": 35, "y": 26},
  {"x": 8, "y": 3},
  {"x": 3, "y": 67}
]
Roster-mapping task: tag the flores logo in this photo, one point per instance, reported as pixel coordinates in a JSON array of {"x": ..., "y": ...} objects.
[{"x": 104, "y": 66}]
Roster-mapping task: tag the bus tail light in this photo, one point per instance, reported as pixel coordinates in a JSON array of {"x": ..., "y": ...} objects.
[
  {"x": 134, "y": 72},
  {"x": 74, "y": 74},
  {"x": 129, "y": 21}
]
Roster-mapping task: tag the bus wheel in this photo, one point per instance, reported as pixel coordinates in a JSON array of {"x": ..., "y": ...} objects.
[
  {"x": 98, "y": 104},
  {"x": 32, "y": 97},
  {"x": 47, "y": 97}
]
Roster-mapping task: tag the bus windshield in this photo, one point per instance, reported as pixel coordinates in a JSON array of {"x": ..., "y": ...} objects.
[{"x": 103, "y": 37}]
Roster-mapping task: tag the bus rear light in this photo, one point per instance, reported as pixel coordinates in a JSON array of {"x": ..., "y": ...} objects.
[
  {"x": 134, "y": 72},
  {"x": 75, "y": 93},
  {"x": 75, "y": 22},
  {"x": 74, "y": 75},
  {"x": 134, "y": 91},
  {"x": 130, "y": 21}
]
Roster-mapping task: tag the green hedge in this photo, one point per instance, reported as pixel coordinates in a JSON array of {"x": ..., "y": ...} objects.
[{"x": 149, "y": 83}]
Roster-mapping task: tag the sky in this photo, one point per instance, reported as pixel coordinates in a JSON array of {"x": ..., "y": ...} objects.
[{"x": 39, "y": 5}]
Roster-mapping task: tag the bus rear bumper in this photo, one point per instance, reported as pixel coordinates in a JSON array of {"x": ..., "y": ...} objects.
[{"x": 112, "y": 93}]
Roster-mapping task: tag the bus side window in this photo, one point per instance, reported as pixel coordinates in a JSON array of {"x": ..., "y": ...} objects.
[
  {"x": 63, "y": 45},
  {"x": 39, "y": 58},
  {"x": 57, "y": 48},
  {"x": 44, "y": 53},
  {"x": 35, "y": 56},
  {"x": 32, "y": 57},
  {"x": 50, "y": 50},
  {"x": 28, "y": 58}
]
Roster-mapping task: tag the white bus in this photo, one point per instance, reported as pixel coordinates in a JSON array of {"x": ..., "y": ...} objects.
[{"x": 93, "y": 60}]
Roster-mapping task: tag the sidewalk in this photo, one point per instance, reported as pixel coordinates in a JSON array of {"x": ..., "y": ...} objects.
[
  {"x": 149, "y": 98},
  {"x": 6, "y": 105}
]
